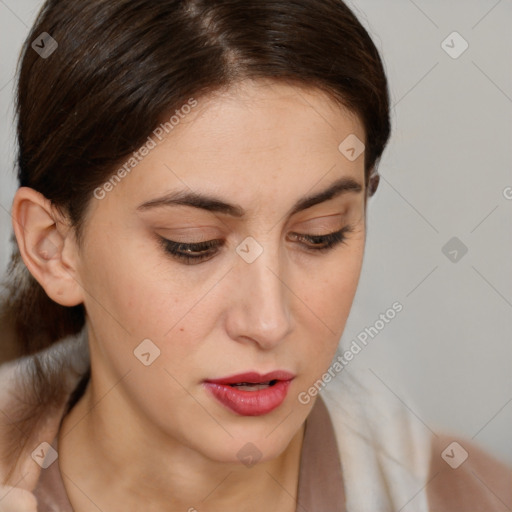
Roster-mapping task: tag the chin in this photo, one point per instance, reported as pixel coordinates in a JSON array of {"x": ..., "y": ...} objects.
[{"x": 246, "y": 449}]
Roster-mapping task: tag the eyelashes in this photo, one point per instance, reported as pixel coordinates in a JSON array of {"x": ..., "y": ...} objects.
[
  {"x": 323, "y": 243},
  {"x": 193, "y": 253}
]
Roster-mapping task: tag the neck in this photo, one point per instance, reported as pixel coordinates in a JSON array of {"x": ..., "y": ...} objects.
[{"x": 118, "y": 462}]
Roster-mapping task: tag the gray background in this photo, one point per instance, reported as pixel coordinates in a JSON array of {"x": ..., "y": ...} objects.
[{"x": 447, "y": 356}]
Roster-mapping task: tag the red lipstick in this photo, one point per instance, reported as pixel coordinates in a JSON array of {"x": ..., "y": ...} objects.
[{"x": 251, "y": 393}]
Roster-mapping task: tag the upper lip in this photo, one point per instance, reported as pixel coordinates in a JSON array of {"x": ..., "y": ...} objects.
[{"x": 253, "y": 377}]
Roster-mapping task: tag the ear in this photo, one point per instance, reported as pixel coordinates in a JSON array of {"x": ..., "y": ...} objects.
[
  {"x": 47, "y": 245},
  {"x": 373, "y": 183}
]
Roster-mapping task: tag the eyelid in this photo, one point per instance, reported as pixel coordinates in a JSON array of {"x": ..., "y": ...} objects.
[
  {"x": 321, "y": 217},
  {"x": 322, "y": 225},
  {"x": 192, "y": 235},
  {"x": 331, "y": 239}
]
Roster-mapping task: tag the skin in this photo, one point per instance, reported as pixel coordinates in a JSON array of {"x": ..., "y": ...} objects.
[{"x": 151, "y": 437}]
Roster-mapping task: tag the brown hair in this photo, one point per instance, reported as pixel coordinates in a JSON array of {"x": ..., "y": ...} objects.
[{"x": 121, "y": 65}]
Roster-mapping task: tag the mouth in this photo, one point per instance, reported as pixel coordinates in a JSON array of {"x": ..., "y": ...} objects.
[
  {"x": 253, "y": 379},
  {"x": 251, "y": 393},
  {"x": 250, "y": 386}
]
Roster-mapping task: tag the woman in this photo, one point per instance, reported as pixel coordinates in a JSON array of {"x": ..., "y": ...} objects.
[{"x": 191, "y": 227}]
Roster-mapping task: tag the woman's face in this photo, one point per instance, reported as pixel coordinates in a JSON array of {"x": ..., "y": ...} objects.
[{"x": 262, "y": 298}]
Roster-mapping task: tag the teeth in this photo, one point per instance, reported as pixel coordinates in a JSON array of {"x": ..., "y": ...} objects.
[
  {"x": 251, "y": 387},
  {"x": 246, "y": 386}
]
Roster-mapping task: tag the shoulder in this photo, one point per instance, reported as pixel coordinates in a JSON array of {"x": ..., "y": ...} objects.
[
  {"x": 392, "y": 461},
  {"x": 463, "y": 476},
  {"x": 30, "y": 413},
  {"x": 384, "y": 448}
]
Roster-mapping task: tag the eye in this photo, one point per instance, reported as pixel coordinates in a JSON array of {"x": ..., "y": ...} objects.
[
  {"x": 195, "y": 253},
  {"x": 323, "y": 243},
  {"x": 191, "y": 254}
]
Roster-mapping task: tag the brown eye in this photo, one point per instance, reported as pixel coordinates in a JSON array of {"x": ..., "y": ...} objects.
[
  {"x": 191, "y": 253},
  {"x": 323, "y": 242}
]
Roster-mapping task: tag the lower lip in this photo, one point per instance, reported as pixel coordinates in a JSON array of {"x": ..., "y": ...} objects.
[{"x": 250, "y": 403}]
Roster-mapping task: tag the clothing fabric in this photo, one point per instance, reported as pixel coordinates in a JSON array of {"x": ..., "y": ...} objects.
[{"x": 363, "y": 450}]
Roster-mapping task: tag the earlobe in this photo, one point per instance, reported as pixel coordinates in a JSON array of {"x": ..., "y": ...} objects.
[{"x": 45, "y": 242}]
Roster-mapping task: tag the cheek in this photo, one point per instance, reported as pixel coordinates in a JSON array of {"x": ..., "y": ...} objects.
[
  {"x": 136, "y": 296},
  {"x": 129, "y": 286},
  {"x": 330, "y": 286},
  {"x": 330, "y": 292}
]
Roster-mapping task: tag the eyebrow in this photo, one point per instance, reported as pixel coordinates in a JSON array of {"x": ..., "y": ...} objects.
[{"x": 214, "y": 204}]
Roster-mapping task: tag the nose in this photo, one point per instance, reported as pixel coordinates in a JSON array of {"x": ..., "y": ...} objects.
[{"x": 260, "y": 309}]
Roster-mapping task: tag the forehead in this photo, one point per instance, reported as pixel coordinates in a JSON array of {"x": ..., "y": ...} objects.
[
  {"x": 255, "y": 115},
  {"x": 258, "y": 140}
]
